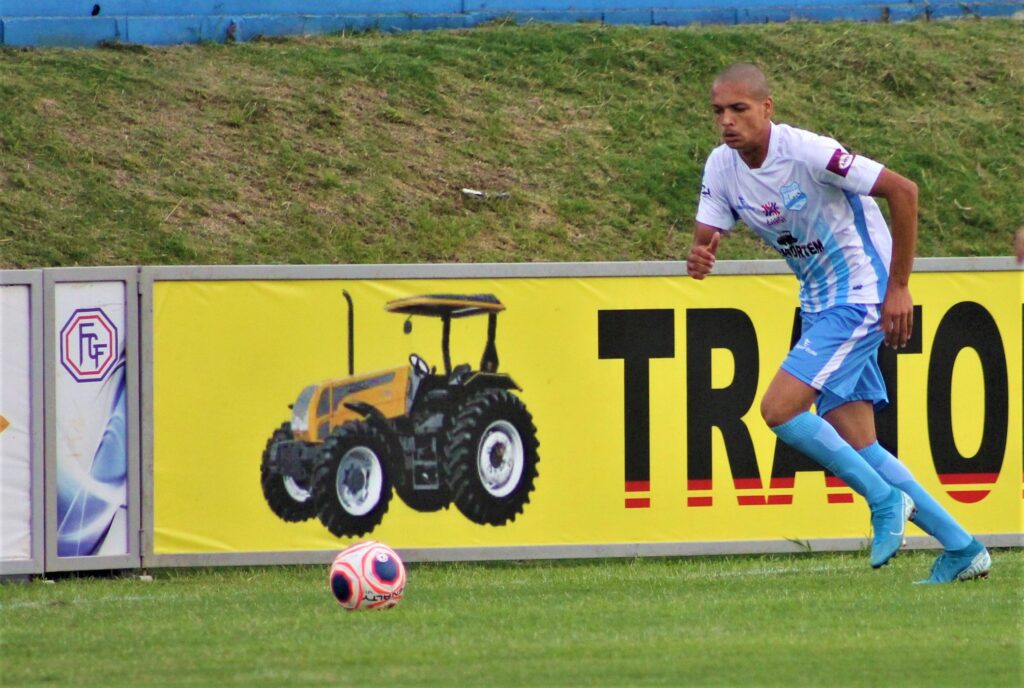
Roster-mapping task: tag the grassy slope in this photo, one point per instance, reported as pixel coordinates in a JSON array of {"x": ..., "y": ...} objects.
[
  {"x": 814, "y": 620},
  {"x": 354, "y": 148}
]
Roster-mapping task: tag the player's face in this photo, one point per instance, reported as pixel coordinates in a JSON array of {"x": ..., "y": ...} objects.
[{"x": 742, "y": 119}]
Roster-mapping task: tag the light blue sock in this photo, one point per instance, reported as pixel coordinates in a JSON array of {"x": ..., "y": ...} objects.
[
  {"x": 817, "y": 439},
  {"x": 931, "y": 517}
]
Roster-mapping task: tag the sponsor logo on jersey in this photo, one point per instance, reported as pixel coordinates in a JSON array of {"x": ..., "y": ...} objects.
[
  {"x": 841, "y": 162},
  {"x": 705, "y": 191},
  {"x": 805, "y": 345},
  {"x": 789, "y": 246},
  {"x": 773, "y": 213},
  {"x": 741, "y": 204},
  {"x": 793, "y": 196}
]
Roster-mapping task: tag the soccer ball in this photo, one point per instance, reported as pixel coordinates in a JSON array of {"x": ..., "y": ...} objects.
[{"x": 367, "y": 575}]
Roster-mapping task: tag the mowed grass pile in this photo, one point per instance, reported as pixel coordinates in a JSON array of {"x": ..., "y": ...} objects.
[
  {"x": 353, "y": 149},
  {"x": 809, "y": 620}
]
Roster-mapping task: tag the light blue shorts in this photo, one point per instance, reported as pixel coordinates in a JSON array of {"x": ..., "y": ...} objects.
[{"x": 838, "y": 355}]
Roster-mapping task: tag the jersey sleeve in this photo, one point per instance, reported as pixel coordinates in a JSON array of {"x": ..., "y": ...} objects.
[
  {"x": 832, "y": 164},
  {"x": 713, "y": 208}
]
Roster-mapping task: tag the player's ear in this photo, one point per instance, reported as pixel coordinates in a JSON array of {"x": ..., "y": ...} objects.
[{"x": 769, "y": 107}]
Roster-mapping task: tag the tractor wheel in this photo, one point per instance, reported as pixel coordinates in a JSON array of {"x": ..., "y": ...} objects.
[
  {"x": 290, "y": 498},
  {"x": 351, "y": 486},
  {"x": 491, "y": 457}
]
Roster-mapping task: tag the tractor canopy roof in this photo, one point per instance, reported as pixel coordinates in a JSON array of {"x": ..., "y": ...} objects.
[{"x": 450, "y": 305}]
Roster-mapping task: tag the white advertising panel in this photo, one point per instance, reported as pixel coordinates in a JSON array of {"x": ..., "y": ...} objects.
[
  {"x": 15, "y": 423},
  {"x": 91, "y": 428}
]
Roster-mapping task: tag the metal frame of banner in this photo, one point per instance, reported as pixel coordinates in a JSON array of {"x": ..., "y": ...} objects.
[
  {"x": 150, "y": 275},
  {"x": 34, "y": 564},
  {"x": 138, "y": 282},
  {"x": 129, "y": 277},
  {"x": 580, "y": 551}
]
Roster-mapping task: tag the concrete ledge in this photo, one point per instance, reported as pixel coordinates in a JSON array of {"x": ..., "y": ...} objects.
[{"x": 78, "y": 23}]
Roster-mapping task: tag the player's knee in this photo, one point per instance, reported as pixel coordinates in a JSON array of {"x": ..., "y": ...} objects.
[
  {"x": 779, "y": 408},
  {"x": 774, "y": 413}
]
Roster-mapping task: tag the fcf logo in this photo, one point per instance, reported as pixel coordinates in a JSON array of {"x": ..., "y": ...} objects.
[{"x": 88, "y": 345}]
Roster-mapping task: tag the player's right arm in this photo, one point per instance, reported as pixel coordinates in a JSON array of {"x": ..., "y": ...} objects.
[
  {"x": 701, "y": 260},
  {"x": 714, "y": 216},
  {"x": 897, "y": 320}
]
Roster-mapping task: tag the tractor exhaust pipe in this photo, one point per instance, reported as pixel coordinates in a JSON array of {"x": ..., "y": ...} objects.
[{"x": 351, "y": 335}]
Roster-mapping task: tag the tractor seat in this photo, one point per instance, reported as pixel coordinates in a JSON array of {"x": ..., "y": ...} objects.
[{"x": 459, "y": 373}]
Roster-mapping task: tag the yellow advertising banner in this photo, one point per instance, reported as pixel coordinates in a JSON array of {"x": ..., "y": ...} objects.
[{"x": 569, "y": 411}]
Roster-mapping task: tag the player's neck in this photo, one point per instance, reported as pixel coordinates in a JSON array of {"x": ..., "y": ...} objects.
[{"x": 757, "y": 153}]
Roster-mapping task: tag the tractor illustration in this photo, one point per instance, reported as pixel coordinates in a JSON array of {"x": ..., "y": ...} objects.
[{"x": 435, "y": 438}]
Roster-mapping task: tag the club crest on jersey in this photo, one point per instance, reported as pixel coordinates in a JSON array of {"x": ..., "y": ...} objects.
[
  {"x": 793, "y": 196},
  {"x": 840, "y": 163}
]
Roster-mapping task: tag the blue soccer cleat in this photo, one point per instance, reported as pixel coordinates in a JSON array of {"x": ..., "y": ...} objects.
[
  {"x": 973, "y": 561},
  {"x": 889, "y": 521}
]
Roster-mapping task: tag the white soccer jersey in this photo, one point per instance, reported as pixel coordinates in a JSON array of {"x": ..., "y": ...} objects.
[{"x": 809, "y": 202}]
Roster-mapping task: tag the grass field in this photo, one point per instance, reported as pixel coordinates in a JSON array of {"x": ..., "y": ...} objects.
[
  {"x": 813, "y": 619},
  {"x": 353, "y": 149}
]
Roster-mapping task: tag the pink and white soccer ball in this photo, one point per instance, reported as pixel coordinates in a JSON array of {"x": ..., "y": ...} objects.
[{"x": 367, "y": 575}]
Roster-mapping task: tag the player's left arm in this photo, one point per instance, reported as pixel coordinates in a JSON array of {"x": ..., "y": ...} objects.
[{"x": 898, "y": 307}]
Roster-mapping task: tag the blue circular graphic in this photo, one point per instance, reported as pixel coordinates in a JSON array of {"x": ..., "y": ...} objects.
[
  {"x": 386, "y": 568},
  {"x": 340, "y": 586}
]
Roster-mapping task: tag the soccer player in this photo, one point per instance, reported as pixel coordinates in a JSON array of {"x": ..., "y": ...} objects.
[{"x": 810, "y": 199}]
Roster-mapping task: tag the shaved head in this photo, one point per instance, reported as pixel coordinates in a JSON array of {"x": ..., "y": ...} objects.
[
  {"x": 743, "y": 107},
  {"x": 745, "y": 74}
]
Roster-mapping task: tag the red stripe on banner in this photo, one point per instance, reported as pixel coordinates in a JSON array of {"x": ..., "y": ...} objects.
[
  {"x": 782, "y": 483},
  {"x": 842, "y": 498},
  {"x": 638, "y": 503},
  {"x": 748, "y": 483},
  {"x": 751, "y": 500},
  {"x": 969, "y": 496},
  {"x": 698, "y": 484},
  {"x": 638, "y": 486},
  {"x": 832, "y": 481},
  {"x": 698, "y": 501},
  {"x": 967, "y": 478},
  {"x": 780, "y": 499}
]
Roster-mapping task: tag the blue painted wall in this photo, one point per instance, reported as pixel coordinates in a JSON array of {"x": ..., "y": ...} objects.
[{"x": 167, "y": 22}]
